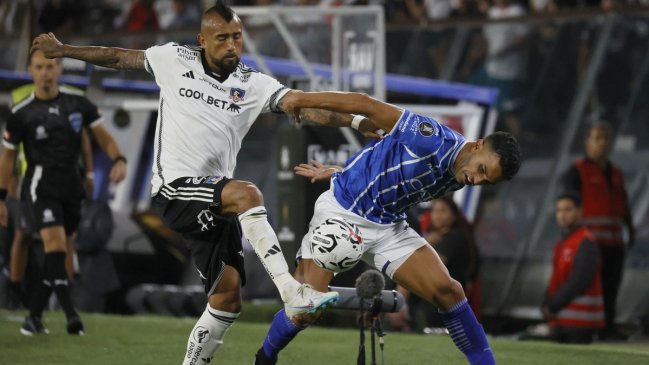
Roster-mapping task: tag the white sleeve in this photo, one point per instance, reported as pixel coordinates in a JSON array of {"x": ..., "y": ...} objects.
[
  {"x": 272, "y": 93},
  {"x": 159, "y": 58}
]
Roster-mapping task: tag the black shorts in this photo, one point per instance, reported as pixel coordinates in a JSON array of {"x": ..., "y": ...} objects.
[
  {"x": 52, "y": 199},
  {"x": 191, "y": 206}
]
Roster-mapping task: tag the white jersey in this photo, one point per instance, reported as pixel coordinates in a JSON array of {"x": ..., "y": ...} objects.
[{"x": 201, "y": 121}]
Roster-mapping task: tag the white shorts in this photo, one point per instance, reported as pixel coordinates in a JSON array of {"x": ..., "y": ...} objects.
[{"x": 385, "y": 246}]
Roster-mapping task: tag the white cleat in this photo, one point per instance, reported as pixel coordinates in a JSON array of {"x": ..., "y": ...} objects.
[{"x": 308, "y": 300}]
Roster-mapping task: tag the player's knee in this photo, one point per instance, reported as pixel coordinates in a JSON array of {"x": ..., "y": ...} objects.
[
  {"x": 226, "y": 302},
  {"x": 239, "y": 196},
  {"x": 447, "y": 292}
]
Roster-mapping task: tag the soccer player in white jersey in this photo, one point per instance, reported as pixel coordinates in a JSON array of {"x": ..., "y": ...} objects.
[
  {"x": 418, "y": 159},
  {"x": 208, "y": 101}
]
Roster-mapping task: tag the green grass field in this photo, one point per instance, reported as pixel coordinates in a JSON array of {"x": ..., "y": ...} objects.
[{"x": 155, "y": 340}]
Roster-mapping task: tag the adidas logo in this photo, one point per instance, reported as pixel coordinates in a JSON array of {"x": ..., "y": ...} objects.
[
  {"x": 273, "y": 250},
  {"x": 189, "y": 74}
]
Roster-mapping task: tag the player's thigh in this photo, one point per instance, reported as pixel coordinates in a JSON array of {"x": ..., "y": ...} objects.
[
  {"x": 425, "y": 275},
  {"x": 308, "y": 272}
]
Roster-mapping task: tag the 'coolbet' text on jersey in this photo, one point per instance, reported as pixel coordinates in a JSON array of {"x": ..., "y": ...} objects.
[
  {"x": 201, "y": 121},
  {"x": 411, "y": 164}
]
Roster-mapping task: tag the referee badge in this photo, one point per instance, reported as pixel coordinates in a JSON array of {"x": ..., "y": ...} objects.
[
  {"x": 236, "y": 94},
  {"x": 75, "y": 120}
]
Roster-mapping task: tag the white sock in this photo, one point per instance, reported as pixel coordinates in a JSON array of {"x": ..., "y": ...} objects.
[
  {"x": 262, "y": 238},
  {"x": 207, "y": 335}
]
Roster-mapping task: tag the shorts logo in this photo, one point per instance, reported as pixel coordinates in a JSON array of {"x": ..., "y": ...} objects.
[
  {"x": 206, "y": 219},
  {"x": 48, "y": 216},
  {"x": 75, "y": 120},
  {"x": 236, "y": 94},
  {"x": 426, "y": 129},
  {"x": 213, "y": 179},
  {"x": 201, "y": 334},
  {"x": 41, "y": 133}
]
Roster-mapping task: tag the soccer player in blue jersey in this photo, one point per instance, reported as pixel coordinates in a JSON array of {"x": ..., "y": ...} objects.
[{"x": 417, "y": 160}]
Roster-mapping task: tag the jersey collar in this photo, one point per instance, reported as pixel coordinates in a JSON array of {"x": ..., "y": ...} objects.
[{"x": 209, "y": 71}]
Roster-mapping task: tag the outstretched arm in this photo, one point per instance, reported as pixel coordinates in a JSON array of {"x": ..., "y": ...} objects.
[
  {"x": 112, "y": 57},
  {"x": 383, "y": 115},
  {"x": 333, "y": 119}
]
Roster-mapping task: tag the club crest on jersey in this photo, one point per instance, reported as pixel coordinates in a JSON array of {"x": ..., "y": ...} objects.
[
  {"x": 426, "y": 129},
  {"x": 236, "y": 94},
  {"x": 75, "y": 120}
]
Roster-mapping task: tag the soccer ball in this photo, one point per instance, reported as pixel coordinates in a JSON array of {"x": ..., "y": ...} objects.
[{"x": 336, "y": 245}]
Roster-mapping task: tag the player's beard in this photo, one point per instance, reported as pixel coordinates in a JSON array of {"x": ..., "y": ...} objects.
[{"x": 228, "y": 65}]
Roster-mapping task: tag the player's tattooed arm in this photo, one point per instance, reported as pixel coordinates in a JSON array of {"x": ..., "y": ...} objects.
[
  {"x": 383, "y": 115},
  {"x": 112, "y": 57},
  {"x": 333, "y": 119}
]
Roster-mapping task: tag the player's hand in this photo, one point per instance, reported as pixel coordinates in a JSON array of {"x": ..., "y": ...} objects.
[
  {"x": 118, "y": 172},
  {"x": 3, "y": 214},
  {"x": 48, "y": 44},
  {"x": 316, "y": 171}
]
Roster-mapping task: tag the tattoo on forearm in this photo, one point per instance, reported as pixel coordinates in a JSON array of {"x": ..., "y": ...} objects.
[
  {"x": 325, "y": 117},
  {"x": 108, "y": 57}
]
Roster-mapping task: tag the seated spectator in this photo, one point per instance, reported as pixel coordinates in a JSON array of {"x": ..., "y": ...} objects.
[{"x": 574, "y": 304}]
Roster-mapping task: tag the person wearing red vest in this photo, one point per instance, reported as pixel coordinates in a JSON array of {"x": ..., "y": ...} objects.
[
  {"x": 574, "y": 303},
  {"x": 605, "y": 212}
]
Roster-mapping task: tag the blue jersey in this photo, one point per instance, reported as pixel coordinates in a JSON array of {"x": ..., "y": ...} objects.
[{"x": 411, "y": 164}]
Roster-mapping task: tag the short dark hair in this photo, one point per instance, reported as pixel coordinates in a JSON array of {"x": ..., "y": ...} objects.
[
  {"x": 507, "y": 147},
  {"x": 223, "y": 10},
  {"x": 574, "y": 196}
]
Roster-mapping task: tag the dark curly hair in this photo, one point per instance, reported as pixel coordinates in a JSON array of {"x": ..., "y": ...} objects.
[{"x": 507, "y": 147}]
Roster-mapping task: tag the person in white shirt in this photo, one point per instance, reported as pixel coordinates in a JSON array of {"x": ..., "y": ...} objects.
[{"x": 208, "y": 101}]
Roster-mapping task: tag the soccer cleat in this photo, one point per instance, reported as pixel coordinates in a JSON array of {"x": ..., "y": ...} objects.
[
  {"x": 308, "y": 300},
  {"x": 262, "y": 359},
  {"x": 33, "y": 326},
  {"x": 75, "y": 326}
]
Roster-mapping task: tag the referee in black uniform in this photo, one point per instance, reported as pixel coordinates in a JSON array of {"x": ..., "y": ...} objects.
[{"x": 49, "y": 124}]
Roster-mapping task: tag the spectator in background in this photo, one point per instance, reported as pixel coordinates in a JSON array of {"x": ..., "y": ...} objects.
[
  {"x": 185, "y": 15},
  {"x": 7, "y": 14},
  {"x": 505, "y": 60},
  {"x": 573, "y": 302},
  {"x": 605, "y": 212},
  {"x": 141, "y": 17}
]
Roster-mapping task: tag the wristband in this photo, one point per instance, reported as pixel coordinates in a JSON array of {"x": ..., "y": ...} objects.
[
  {"x": 119, "y": 158},
  {"x": 356, "y": 121},
  {"x": 3, "y": 194}
]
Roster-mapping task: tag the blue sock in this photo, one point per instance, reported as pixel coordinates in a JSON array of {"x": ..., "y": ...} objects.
[
  {"x": 467, "y": 334},
  {"x": 281, "y": 332}
]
